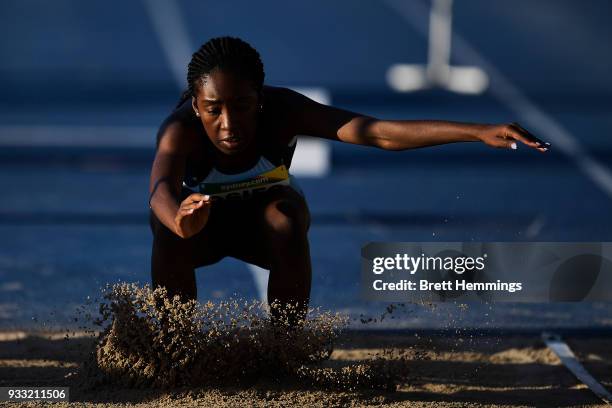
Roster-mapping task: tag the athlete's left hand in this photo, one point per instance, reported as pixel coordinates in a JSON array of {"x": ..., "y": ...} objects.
[{"x": 507, "y": 135}]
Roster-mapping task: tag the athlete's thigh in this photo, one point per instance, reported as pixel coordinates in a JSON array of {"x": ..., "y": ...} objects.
[
  {"x": 235, "y": 229},
  {"x": 214, "y": 242},
  {"x": 201, "y": 249},
  {"x": 251, "y": 244}
]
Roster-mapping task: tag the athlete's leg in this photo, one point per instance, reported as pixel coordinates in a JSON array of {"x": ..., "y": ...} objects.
[
  {"x": 274, "y": 236},
  {"x": 285, "y": 220},
  {"x": 172, "y": 263},
  {"x": 174, "y": 259}
]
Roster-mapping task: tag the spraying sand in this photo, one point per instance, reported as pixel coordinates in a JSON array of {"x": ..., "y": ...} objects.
[{"x": 152, "y": 341}]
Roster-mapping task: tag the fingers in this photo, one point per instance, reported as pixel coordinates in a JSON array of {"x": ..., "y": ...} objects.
[
  {"x": 191, "y": 203},
  {"x": 504, "y": 141},
  {"x": 516, "y": 132},
  {"x": 192, "y": 215},
  {"x": 195, "y": 197},
  {"x": 540, "y": 143},
  {"x": 526, "y": 135},
  {"x": 190, "y": 211},
  {"x": 184, "y": 212},
  {"x": 196, "y": 205}
]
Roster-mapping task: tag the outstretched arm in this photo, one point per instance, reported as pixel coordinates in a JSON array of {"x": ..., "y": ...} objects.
[
  {"x": 318, "y": 120},
  {"x": 411, "y": 134}
]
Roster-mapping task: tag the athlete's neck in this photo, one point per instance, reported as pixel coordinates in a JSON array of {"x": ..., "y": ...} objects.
[{"x": 243, "y": 161}]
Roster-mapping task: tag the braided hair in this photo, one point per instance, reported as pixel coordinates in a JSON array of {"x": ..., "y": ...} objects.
[{"x": 223, "y": 53}]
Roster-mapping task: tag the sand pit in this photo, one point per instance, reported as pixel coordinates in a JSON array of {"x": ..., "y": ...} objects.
[
  {"x": 443, "y": 372},
  {"x": 127, "y": 362}
]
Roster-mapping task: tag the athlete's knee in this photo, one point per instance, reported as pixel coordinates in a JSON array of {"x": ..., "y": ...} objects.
[{"x": 286, "y": 218}]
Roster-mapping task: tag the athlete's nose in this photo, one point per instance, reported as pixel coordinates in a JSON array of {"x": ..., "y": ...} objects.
[{"x": 228, "y": 121}]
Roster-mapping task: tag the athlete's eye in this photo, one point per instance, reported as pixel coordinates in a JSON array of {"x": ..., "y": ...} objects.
[{"x": 214, "y": 111}]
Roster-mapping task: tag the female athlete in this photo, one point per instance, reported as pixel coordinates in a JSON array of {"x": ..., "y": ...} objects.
[{"x": 220, "y": 184}]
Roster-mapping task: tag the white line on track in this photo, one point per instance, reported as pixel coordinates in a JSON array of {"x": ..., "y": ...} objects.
[
  {"x": 170, "y": 28},
  {"x": 260, "y": 276},
  {"x": 543, "y": 125}
]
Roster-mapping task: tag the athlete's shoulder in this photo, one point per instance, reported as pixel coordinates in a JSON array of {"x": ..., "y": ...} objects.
[
  {"x": 284, "y": 98},
  {"x": 291, "y": 104},
  {"x": 285, "y": 108},
  {"x": 277, "y": 118},
  {"x": 179, "y": 127}
]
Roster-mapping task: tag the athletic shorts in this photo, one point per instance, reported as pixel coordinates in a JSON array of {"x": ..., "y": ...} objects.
[{"x": 234, "y": 228}]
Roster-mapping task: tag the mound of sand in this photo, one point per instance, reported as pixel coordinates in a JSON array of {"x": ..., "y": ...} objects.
[{"x": 149, "y": 340}]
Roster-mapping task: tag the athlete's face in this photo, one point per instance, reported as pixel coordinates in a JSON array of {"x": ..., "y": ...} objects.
[{"x": 228, "y": 107}]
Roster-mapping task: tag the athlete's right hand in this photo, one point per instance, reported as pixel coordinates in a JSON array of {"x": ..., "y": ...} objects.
[{"x": 192, "y": 215}]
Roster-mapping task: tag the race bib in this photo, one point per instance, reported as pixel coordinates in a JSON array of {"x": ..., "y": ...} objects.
[{"x": 243, "y": 189}]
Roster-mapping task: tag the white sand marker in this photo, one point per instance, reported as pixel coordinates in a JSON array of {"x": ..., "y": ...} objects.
[{"x": 569, "y": 360}]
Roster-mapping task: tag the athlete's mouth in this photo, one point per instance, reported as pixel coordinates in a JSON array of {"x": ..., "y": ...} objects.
[{"x": 232, "y": 141}]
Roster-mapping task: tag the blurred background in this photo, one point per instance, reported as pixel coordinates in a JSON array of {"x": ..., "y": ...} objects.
[{"x": 84, "y": 86}]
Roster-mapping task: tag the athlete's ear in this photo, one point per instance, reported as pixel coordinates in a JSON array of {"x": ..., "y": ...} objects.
[
  {"x": 260, "y": 100},
  {"x": 194, "y": 105}
]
